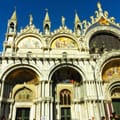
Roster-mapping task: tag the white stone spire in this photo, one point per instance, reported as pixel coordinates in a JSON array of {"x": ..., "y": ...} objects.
[{"x": 46, "y": 23}]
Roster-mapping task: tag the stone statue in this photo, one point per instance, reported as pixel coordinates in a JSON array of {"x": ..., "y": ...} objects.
[
  {"x": 63, "y": 21},
  {"x": 31, "y": 20}
]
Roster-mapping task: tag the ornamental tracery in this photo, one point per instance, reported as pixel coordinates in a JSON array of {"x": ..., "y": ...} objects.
[{"x": 65, "y": 97}]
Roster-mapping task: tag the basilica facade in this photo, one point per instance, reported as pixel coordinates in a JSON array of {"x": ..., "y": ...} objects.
[{"x": 61, "y": 75}]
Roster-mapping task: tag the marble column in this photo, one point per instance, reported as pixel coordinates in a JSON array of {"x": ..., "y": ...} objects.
[
  {"x": 11, "y": 111},
  {"x": 1, "y": 96}
]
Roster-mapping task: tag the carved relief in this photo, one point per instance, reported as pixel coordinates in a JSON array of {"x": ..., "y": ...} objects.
[{"x": 24, "y": 95}]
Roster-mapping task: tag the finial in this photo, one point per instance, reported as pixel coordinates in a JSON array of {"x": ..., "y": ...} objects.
[
  {"x": 77, "y": 20},
  {"x": 14, "y": 17},
  {"x": 63, "y": 21},
  {"x": 31, "y": 19},
  {"x": 46, "y": 19}
]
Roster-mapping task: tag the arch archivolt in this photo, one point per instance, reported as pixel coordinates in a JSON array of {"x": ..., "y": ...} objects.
[
  {"x": 106, "y": 57},
  {"x": 80, "y": 70},
  {"x": 12, "y": 67},
  {"x": 110, "y": 87}
]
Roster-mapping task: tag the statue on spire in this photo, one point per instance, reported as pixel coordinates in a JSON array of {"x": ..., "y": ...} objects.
[
  {"x": 63, "y": 21},
  {"x": 99, "y": 6},
  {"x": 31, "y": 20}
]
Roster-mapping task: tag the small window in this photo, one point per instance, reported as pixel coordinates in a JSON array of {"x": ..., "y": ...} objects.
[
  {"x": 65, "y": 97},
  {"x": 11, "y": 27}
]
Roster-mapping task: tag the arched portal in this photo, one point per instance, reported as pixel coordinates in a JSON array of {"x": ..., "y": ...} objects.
[
  {"x": 65, "y": 79},
  {"x": 115, "y": 95},
  {"x": 19, "y": 88},
  {"x": 111, "y": 75}
]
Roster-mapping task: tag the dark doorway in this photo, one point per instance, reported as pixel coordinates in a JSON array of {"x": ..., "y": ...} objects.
[
  {"x": 116, "y": 105},
  {"x": 22, "y": 114},
  {"x": 65, "y": 113}
]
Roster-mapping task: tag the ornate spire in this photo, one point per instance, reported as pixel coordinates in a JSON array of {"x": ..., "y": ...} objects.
[
  {"x": 77, "y": 24},
  {"x": 14, "y": 16},
  {"x": 12, "y": 24},
  {"x": 46, "y": 23},
  {"x": 77, "y": 20},
  {"x": 47, "y": 18}
]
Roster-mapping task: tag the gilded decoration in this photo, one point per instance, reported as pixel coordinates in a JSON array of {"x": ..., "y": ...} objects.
[
  {"x": 103, "y": 21},
  {"x": 33, "y": 43},
  {"x": 64, "y": 42},
  {"x": 111, "y": 70}
]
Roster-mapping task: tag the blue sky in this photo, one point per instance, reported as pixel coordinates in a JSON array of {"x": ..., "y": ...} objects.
[{"x": 56, "y": 9}]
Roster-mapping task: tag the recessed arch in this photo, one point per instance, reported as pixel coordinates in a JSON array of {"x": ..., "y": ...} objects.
[
  {"x": 12, "y": 67},
  {"x": 22, "y": 75},
  {"x": 111, "y": 69},
  {"x": 106, "y": 57},
  {"x": 99, "y": 29},
  {"x": 34, "y": 41},
  {"x": 19, "y": 75},
  {"x": 66, "y": 67},
  {"x": 64, "y": 40},
  {"x": 103, "y": 41},
  {"x": 114, "y": 89}
]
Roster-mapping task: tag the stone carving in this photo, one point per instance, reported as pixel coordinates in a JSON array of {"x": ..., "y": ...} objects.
[{"x": 24, "y": 95}]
